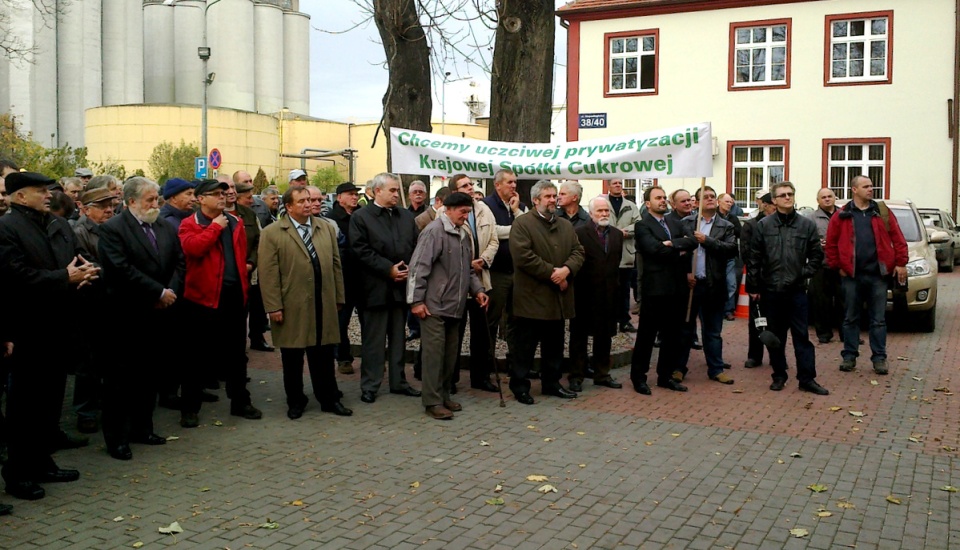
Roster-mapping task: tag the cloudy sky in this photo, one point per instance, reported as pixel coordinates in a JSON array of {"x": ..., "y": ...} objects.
[{"x": 348, "y": 77}]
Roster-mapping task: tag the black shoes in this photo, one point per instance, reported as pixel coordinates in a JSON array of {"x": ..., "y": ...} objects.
[
  {"x": 189, "y": 420},
  {"x": 525, "y": 398},
  {"x": 559, "y": 391},
  {"x": 151, "y": 439},
  {"x": 5, "y": 509},
  {"x": 576, "y": 386},
  {"x": 58, "y": 475},
  {"x": 824, "y": 339},
  {"x": 337, "y": 408},
  {"x": 533, "y": 375},
  {"x": 25, "y": 490},
  {"x": 777, "y": 384},
  {"x": 208, "y": 397},
  {"x": 368, "y": 396},
  {"x": 261, "y": 346},
  {"x": 696, "y": 345},
  {"x": 609, "y": 383},
  {"x": 642, "y": 388},
  {"x": 751, "y": 364},
  {"x": 408, "y": 391},
  {"x": 247, "y": 411},
  {"x": 486, "y": 385},
  {"x": 294, "y": 413},
  {"x": 812, "y": 387},
  {"x": 120, "y": 452},
  {"x": 672, "y": 384}
]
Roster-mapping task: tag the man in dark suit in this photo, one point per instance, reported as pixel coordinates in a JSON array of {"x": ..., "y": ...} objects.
[
  {"x": 597, "y": 297},
  {"x": 41, "y": 266},
  {"x": 144, "y": 266},
  {"x": 341, "y": 211},
  {"x": 664, "y": 246},
  {"x": 382, "y": 239},
  {"x": 709, "y": 279}
]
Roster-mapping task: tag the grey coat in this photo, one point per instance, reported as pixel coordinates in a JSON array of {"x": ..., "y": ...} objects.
[{"x": 442, "y": 261}]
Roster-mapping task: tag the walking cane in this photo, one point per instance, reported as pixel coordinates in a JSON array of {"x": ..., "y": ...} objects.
[{"x": 491, "y": 341}]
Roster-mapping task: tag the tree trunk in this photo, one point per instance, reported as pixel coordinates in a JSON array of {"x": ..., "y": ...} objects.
[
  {"x": 408, "y": 102},
  {"x": 522, "y": 86}
]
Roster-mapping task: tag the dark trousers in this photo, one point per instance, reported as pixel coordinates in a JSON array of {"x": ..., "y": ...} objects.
[
  {"x": 529, "y": 333},
  {"x": 499, "y": 310},
  {"x": 602, "y": 342},
  {"x": 258, "y": 317},
  {"x": 481, "y": 366},
  {"x": 320, "y": 363},
  {"x": 826, "y": 304},
  {"x": 384, "y": 340},
  {"x": 709, "y": 309},
  {"x": 37, "y": 382},
  {"x": 440, "y": 342},
  {"x": 342, "y": 350},
  {"x": 788, "y": 311},
  {"x": 220, "y": 351},
  {"x": 754, "y": 345},
  {"x": 663, "y": 315},
  {"x": 628, "y": 277},
  {"x": 88, "y": 385}
]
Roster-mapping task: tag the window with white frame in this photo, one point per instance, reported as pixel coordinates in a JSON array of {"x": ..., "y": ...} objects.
[
  {"x": 755, "y": 167},
  {"x": 633, "y": 64},
  {"x": 760, "y": 55},
  {"x": 848, "y": 160},
  {"x": 860, "y": 48}
]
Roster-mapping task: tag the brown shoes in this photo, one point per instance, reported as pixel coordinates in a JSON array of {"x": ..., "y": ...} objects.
[
  {"x": 439, "y": 412},
  {"x": 453, "y": 406}
]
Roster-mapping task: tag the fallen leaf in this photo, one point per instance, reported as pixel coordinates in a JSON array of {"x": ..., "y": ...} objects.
[
  {"x": 675, "y": 435},
  {"x": 548, "y": 439},
  {"x": 204, "y": 489},
  {"x": 172, "y": 437},
  {"x": 913, "y": 398},
  {"x": 942, "y": 388},
  {"x": 297, "y": 502},
  {"x": 917, "y": 378},
  {"x": 118, "y": 518},
  {"x": 846, "y": 505},
  {"x": 269, "y": 525},
  {"x": 817, "y": 488},
  {"x": 581, "y": 433},
  {"x": 834, "y": 409},
  {"x": 537, "y": 477},
  {"x": 795, "y": 455},
  {"x": 857, "y": 413},
  {"x": 902, "y": 358},
  {"x": 737, "y": 391},
  {"x": 484, "y": 443},
  {"x": 892, "y": 499},
  {"x": 780, "y": 461},
  {"x": 217, "y": 423},
  {"x": 547, "y": 489},
  {"x": 138, "y": 544},
  {"x": 498, "y": 488},
  {"x": 799, "y": 533},
  {"x": 172, "y": 529},
  {"x": 415, "y": 484},
  {"x": 824, "y": 514},
  {"x": 948, "y": 448},
  {"x": 582, "y": 465},
  {"x": 874, "y": 383},
  {"x": 531, "y": 427},
  {"x": 949, "y": 489},
  {"x": 913, "y": 439},
  {"x": 495, "y": 501}
]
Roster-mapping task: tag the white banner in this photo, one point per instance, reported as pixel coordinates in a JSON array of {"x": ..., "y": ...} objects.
[{"x": 681, "y": 152}]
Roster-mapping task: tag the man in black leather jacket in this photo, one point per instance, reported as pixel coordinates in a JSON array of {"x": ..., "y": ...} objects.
[{"x": 785, "y": 251}]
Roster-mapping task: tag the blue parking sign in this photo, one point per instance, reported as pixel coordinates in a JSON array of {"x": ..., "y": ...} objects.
[{"x": 199, "y": 168}]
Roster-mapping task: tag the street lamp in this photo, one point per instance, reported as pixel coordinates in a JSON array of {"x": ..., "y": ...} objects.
[
  {"x": 203, "y": 52},
  {"x": 443, "y": 100}
]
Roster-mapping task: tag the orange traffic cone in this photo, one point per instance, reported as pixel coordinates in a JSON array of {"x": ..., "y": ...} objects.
[{"x": 743, "y": 300}]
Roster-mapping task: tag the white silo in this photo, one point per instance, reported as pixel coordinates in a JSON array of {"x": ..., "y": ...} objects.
[
  {"x": 158, "y": 54},
  {"x": 78, "y": 68},
  {"x": 296, "y": 62},
  {"x": 43, "y": 80},
  {"x": 268, "y": 57},
  {"x": 134, "y": 40},
  {"x": 122, "y": 40},
  {"x": 188, "y": 32},
  {"x": 230, "y": 37}
]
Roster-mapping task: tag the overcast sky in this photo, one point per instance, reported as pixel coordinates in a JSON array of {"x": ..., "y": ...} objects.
[{"x": 348, "y": 77}]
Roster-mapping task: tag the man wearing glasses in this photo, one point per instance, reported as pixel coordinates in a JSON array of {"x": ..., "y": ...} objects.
[
  {"x": 785, "y": 251},
  {"x": 418, "y": 197}
]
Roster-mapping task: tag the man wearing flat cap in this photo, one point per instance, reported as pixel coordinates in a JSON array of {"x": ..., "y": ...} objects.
[
  {"x": 40, "y": 262},
  {"x": 215, "y": 294},
  {"x": 178, "y": 200},
  {"x": 85, "y": 175},
  {"x": 143, "y": 266}
]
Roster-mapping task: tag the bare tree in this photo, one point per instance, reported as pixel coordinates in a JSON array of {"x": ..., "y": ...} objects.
[{"x": 15, "y": 47}]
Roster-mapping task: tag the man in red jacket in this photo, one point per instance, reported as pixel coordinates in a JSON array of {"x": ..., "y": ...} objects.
[
  {"x": 865, "y": 243},
  {"x": 215, "y": 291}
]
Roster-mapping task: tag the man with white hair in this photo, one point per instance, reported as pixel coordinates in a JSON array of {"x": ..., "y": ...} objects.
[
  {"x": 568, "y": 204},
  {"x": 418, "y": 197},
  {"x": 597, "y": 299}
]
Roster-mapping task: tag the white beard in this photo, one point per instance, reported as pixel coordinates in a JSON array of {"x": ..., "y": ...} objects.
[
  {"x": 150, "y": 216},
  {"x": 604, "y": 222}
]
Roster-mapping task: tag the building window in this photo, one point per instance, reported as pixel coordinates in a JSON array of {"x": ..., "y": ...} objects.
[
  {"x": 847, "y": 158},
  {"x": 755, "y": 165},
  {"x": 859, "y": 48},
  {"x": 760, "y": 54},
  {"x": 630, "y": 65}
]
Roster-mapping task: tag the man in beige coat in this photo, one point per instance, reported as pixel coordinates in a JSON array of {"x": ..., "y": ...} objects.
[{"x": 302, "y": 285}]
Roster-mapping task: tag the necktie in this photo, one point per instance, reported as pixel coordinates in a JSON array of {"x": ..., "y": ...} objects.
[
  {"x": 305, "y": 235},
  {"x": 151, "y": 236},
  {"x": 663, "y": 223}
]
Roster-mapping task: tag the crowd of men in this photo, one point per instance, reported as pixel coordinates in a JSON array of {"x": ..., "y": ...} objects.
[{"x": 223, "y": 266}]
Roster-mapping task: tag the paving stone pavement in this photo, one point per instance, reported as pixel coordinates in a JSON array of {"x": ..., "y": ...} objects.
[{"x": 711, "y": 468}]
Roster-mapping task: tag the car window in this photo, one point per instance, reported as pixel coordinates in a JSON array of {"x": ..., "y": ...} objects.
[
  {"x": 908, "y": 224},
  {"x": 947, "y": 221},
  {"x": 931, "y": 218}
]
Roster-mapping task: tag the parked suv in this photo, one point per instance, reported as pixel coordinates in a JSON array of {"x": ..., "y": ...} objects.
[{"x": 948, "y": 253}]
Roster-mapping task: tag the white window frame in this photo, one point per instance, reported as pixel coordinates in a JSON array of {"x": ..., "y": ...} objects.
[
  {"x": 766, "y": 166},
  {"x": 767, "y": 46},
  {"x": 624, "y": 56},
  {"x": 867, "y": 40},
  {"x": 857, "y": 167}
]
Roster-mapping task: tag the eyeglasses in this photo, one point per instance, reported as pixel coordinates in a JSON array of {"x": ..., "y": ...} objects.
[
  {"x": 213, "y": 194},
  {"x": 783, "y": 195}
]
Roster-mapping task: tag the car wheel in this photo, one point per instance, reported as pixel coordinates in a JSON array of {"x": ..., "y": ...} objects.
[
  {"x": 927, "y": 320},
  {"x": 951, "y": 260}
]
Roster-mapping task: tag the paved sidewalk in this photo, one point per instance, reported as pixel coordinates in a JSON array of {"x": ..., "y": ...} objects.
[{"x": 711, "y": 468}]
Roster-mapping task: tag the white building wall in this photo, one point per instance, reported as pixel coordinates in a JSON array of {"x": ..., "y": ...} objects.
[
  {"x": 230, "y": 36},
  {"x": 296, "y": 62},
  {"x": 693, "y": 68},
  {"x": 158, "y": 54},
  {"x": 188, "y": 68},
  {"x": 268, "y": 57}
]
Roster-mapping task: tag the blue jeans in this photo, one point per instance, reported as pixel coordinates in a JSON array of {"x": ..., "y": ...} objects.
[
  {"x": 871, "y": 289},
  {"x": 710, "y": 311}
]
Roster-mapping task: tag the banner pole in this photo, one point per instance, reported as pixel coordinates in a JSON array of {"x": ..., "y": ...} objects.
[{"x": 696, "y": 251}]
